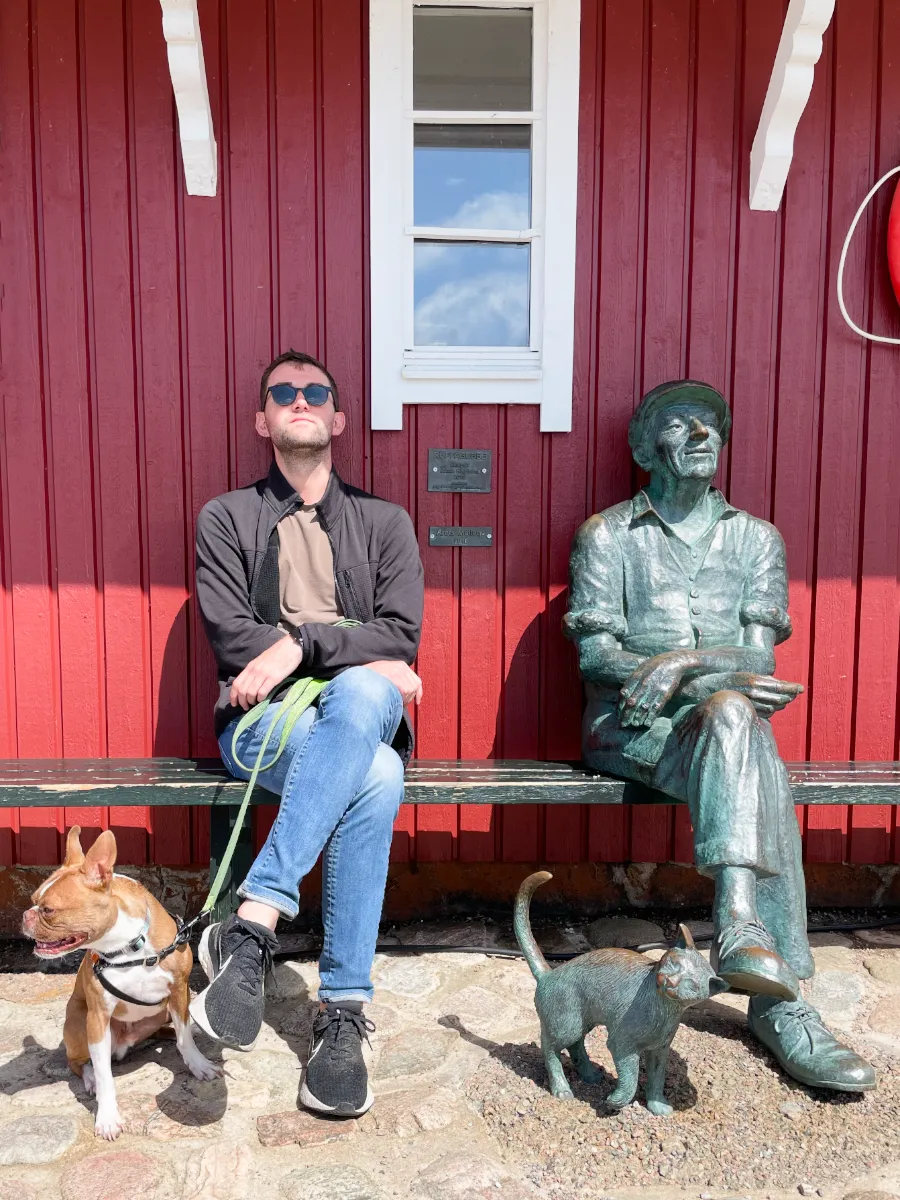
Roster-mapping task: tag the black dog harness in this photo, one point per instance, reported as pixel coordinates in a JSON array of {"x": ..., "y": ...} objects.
[{"x": 102, "y": 962}]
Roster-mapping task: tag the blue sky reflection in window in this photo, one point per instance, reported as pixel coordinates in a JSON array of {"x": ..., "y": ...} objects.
[{"x": 472, "y": 176}]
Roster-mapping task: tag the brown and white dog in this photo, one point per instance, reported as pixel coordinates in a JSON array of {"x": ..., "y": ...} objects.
[{"x": 85, "y": 905}]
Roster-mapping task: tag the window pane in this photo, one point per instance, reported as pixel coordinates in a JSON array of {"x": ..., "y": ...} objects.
[
  {"x": 472, "y": 58},
  {"x": 471, "y": 294},
  {"x": 473, "y": 176}
]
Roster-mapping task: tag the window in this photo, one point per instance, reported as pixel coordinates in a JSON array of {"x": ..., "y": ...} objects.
[{"x": 473, "y": 164}]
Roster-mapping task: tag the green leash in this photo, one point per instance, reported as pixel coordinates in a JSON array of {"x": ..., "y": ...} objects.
[
  {"x": 299, "y": 697},
  {"x": 301, "y": 694},
  {"x": 297, "y": 700}
]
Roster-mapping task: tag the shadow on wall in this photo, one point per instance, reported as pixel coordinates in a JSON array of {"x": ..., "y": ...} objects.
[{"x": 541, "y": 699}]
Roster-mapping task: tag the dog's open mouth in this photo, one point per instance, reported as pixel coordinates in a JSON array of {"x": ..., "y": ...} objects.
[{"x": 61, "y": 946}]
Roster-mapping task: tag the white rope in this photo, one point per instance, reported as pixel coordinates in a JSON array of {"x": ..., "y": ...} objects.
[{"x": 872, "y": 337}]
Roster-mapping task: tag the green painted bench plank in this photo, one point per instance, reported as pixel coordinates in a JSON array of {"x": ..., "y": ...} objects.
[{"x": 74, "y": 783}]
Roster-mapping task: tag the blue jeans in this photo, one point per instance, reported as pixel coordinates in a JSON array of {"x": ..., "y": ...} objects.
[{"x": 341, "y": 785}]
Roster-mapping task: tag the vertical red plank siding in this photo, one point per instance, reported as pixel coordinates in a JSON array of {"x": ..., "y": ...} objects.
[
  {"x": 875, "y": 683},
  {"x": 481, "y": 636},
  {"x": 119, "y": 479},
  {"x": 135, "y": 320},
  {"x": 835, "y": 613},
  {"x": 31, "y": 640},
  {"x": 518, "y": 479},
  {"x": 206, "y": 370},
  {"x": 70, "y": 428},
  {"x": 159, "y": 374},
  {"x": 439, "y": 716},
  {"x": 799, "y": 363}
]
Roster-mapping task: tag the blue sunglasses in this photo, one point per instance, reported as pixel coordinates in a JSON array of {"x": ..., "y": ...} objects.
[{"x": 315, "y": 394}]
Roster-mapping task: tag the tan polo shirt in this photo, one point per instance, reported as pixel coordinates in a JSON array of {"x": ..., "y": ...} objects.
[{"x": 306, "y": 570}]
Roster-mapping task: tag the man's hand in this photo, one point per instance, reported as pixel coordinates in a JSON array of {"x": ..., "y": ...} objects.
[
  {"x": 265, "y": 672},
  {"x": 402, "y": 676},
  {"x": 648, "y": 690}
]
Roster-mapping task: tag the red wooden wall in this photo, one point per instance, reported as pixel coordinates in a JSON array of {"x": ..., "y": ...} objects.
[{"x": 134, "y": 322}]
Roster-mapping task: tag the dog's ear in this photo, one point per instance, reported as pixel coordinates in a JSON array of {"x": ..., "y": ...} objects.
[
  {"x": 74, "y": 853},
  {"x": 100, "y": 860},
  {"x": 685, "y": 940}
]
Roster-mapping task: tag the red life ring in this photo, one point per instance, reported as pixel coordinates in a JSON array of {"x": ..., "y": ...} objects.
[
  {"x": 893, "y": 243},
  {"x": 893, "y": 255}
]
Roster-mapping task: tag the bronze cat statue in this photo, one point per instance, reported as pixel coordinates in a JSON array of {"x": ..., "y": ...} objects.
[{"x": 640, "y": 1002}]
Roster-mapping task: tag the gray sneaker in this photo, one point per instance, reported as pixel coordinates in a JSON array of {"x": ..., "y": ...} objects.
[
  {"x": 235, "y": 954},
  {"x": 336, "y": 1080}
]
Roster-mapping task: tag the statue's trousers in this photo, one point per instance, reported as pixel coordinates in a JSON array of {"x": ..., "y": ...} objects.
[{"x": 721, "y": 758}]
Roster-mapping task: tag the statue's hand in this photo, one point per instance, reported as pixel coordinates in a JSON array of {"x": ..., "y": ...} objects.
[
  {"x": 649, "y": 689},
  {"x": 767, "y": 694}
]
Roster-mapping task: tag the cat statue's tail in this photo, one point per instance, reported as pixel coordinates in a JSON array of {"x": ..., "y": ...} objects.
[{"x": 522, "y": 925}]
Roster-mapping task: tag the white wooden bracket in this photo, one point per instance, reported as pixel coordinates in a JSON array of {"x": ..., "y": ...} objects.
[
  {"x": 792, "y": 78},
  {"x": 181, "y": 28}
]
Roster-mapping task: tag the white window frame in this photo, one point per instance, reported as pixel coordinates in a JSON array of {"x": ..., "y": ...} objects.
[{"x": 540, "y": 373}]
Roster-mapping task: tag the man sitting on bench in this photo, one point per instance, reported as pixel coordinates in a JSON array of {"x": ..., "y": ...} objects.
[
  {"x": 279, "y": 565},
  {"x": 677, "y": 601}
]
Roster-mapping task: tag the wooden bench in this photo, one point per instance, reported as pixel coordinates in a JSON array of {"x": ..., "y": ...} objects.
[{"x": 74, "y": 783}]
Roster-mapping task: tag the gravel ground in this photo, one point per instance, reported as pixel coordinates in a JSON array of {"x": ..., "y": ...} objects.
[{"x": 739, "y": 1124}]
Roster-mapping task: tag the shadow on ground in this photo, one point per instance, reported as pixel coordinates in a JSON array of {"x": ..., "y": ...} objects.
[
  {"x": 527, "y": 1061},
  {"x": 35, "y": 1066}
]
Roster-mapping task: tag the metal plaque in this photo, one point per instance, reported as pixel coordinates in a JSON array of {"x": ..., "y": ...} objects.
[
  {"x": 459, "y": 470},
  {"x": 460, "y": 535}
]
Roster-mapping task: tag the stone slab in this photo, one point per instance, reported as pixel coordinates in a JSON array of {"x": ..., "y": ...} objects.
[
  {"x": 458, "y": 1176},
  {"x": 407, "y": 1114},
  {"x": 337, "y": 1182},
  {"x": 565, "y": 940},
  {"x": 450, "y": 933},
  {"x": 623, "y": 931},
  {"x": 414, "y": 1052},
  {"x": 301, "y": 1128},
  {"x": 481, "y": 1011},
  {"x": 34, "y": 987},
  {"x": 884, "y": 967},
  {"x": 220, "y": 1172},
  {"x": 885, "y": 1016},
  {"x": 880, "y": 937},
  {"x": 405, "y": 976},
  {"x": 837, "y": 995},
  {"x": 36, "y": 1139},
  {"x": 122, "y": 1175},
  {"x": 835, "y": 958}
]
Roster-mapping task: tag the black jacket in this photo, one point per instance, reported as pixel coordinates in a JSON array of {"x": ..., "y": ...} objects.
[{"x": 377, "y": 573}]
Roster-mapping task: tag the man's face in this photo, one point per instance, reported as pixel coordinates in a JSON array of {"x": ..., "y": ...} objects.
[
  {"x": 686, "y": 442},
  {"x": 297, "y": 426}
]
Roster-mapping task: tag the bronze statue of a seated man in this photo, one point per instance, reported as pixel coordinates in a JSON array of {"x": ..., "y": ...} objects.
[{"x": 676, "y": 604}]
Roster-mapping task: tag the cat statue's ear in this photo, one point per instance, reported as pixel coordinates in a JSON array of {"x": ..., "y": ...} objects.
[{"x": 685, "y": 940}]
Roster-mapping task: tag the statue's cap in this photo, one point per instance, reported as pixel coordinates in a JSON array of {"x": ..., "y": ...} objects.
[{"x": 677, "y": 391}]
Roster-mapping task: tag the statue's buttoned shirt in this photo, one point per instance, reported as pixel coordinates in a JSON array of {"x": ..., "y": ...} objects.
[{"x": 633, "y": 577}]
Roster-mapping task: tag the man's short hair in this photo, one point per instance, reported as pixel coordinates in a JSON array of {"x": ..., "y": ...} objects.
[{"x": 302, "y": 360}]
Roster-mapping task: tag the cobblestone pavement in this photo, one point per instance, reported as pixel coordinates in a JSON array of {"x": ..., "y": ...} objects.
[{"x": 462, "y": 1111}]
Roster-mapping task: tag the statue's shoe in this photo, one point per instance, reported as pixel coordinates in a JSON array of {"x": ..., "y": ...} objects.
[
  {"x": 806, "y": 1048},
  {"x": 744, "y": 955}
]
